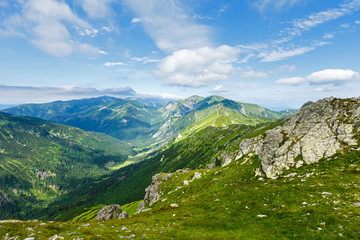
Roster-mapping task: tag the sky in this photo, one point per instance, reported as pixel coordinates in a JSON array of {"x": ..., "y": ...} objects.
[{"x": 275, "y": 53}]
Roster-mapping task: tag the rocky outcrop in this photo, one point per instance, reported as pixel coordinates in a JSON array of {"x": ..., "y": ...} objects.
[
  {"x": 317, "y": 131},
  {"x": 153, "y": 192},
  {"x": 111, "y": 212}
]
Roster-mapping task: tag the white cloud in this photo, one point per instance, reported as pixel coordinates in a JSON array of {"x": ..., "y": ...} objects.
[
  {"x": 285, "y": 46},
  {"x": 315, "y": 19},
  {"x": 333, "y": 76},
  {"x": 221, "y": 89},
  {"x": 357, "y": 22},
  {"x": 53, "y": 39},
  {"x": 327, "y": 88},
  {"x": 329, "y": 36},
  {"x": 102, "y": 52},
  {"x": 169, "y": 25},
  {"x": 280, "y": 54},
  {"x": 328, "y": 79},
  {"x": 265, "y": 5},
  {"x": 246, "y": 58},
  {"x": 251, "y": 74},
  {"x": 96, "y": 8},
  {"x": 200, "y": 67},
  {"x": 46, "y": 24},
  {"x": 112, "y": 64},
  {"x": 145, "y": 60},
  {"x": 107, "y": 29},
  {"x": 291, "y": 81},
  {"x": 135, "y": 20},
  {"x": 285, "y": 68}
]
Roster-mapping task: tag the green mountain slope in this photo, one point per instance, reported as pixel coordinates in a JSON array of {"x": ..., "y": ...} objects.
[
  {"x": 126, "y": 120},
  {"x": 316, "y": 203},
  {"x": 208, "y": 146},
  {"x": 145, "y": 124},
  {"x": 196, "y": 113},
  {"x": 40, "y": 161}
]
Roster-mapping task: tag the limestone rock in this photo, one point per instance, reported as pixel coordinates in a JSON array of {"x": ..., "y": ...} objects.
[
  {"x": 152, "y": 192},
  {"x": 111, "y": 212},
  {"x": 141, "y": 207},
  {"x": 317, "y": 131}
]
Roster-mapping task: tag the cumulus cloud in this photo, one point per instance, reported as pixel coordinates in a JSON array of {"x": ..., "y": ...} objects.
[
  {"x": 47, "y": 24},
  {"x": 171, "y": 27},
  {"x": 291, "y": 81},
  {"x": 333, "y": 76},
  {"x": 96, "y": 8},
  {"x": 326, "y": 80},
  {"x": 198, "y": 68},
  {"x": 265, "y": 5}
]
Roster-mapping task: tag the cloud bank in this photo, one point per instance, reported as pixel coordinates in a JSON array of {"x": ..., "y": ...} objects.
[
  {"x": 200, "y": 67},
  {"x": 24, "y": 94},
  {"x": 326, "y": 80}
]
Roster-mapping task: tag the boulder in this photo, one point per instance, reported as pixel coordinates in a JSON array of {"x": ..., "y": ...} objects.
[{"x": 111, "y": 212}]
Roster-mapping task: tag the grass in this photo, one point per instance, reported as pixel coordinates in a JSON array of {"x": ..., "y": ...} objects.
[{"x": 312, "y": 202}]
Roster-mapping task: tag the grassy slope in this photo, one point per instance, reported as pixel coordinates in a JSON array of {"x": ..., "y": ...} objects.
[
  {"x": 40, "y": 160},
  {"x": 195, "y": 151},
  {"x": 230, "y": 203}
]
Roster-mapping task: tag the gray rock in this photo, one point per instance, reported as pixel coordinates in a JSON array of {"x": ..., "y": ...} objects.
[
  {"x": 111, "y": 212},
  {"x": 211, "y": 165},
  {"x": 141, "y": 207},
  {"x": 124, "y": 214},
  {"x": 317, "y": 131},
  {"x": 152, "y": 192},
  {"x": 56, "y": 237}
]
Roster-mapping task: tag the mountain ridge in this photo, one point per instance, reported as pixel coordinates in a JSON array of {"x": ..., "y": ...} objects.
[{"x": 137, "y": 123}]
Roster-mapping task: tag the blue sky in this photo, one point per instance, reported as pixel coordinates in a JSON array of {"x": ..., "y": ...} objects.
[{"x": 276, "y": 53}]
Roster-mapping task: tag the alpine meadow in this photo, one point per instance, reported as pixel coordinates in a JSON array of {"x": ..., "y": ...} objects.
[{"x": 169, "y": 119}]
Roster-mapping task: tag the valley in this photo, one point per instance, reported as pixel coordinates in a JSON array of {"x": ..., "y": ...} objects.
[{"x": 212, "y": 181}]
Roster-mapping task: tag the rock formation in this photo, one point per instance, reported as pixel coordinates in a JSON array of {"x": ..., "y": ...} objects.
[
  {"x": 111, "y": 212},
  {"x": 152, "y": 192},
  {"x": 317, "y": 131}
]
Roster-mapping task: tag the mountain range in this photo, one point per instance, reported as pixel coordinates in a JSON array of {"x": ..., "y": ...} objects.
[
  {"x": 209, "y": 168},
  {"x": 148, "y": 122}
]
